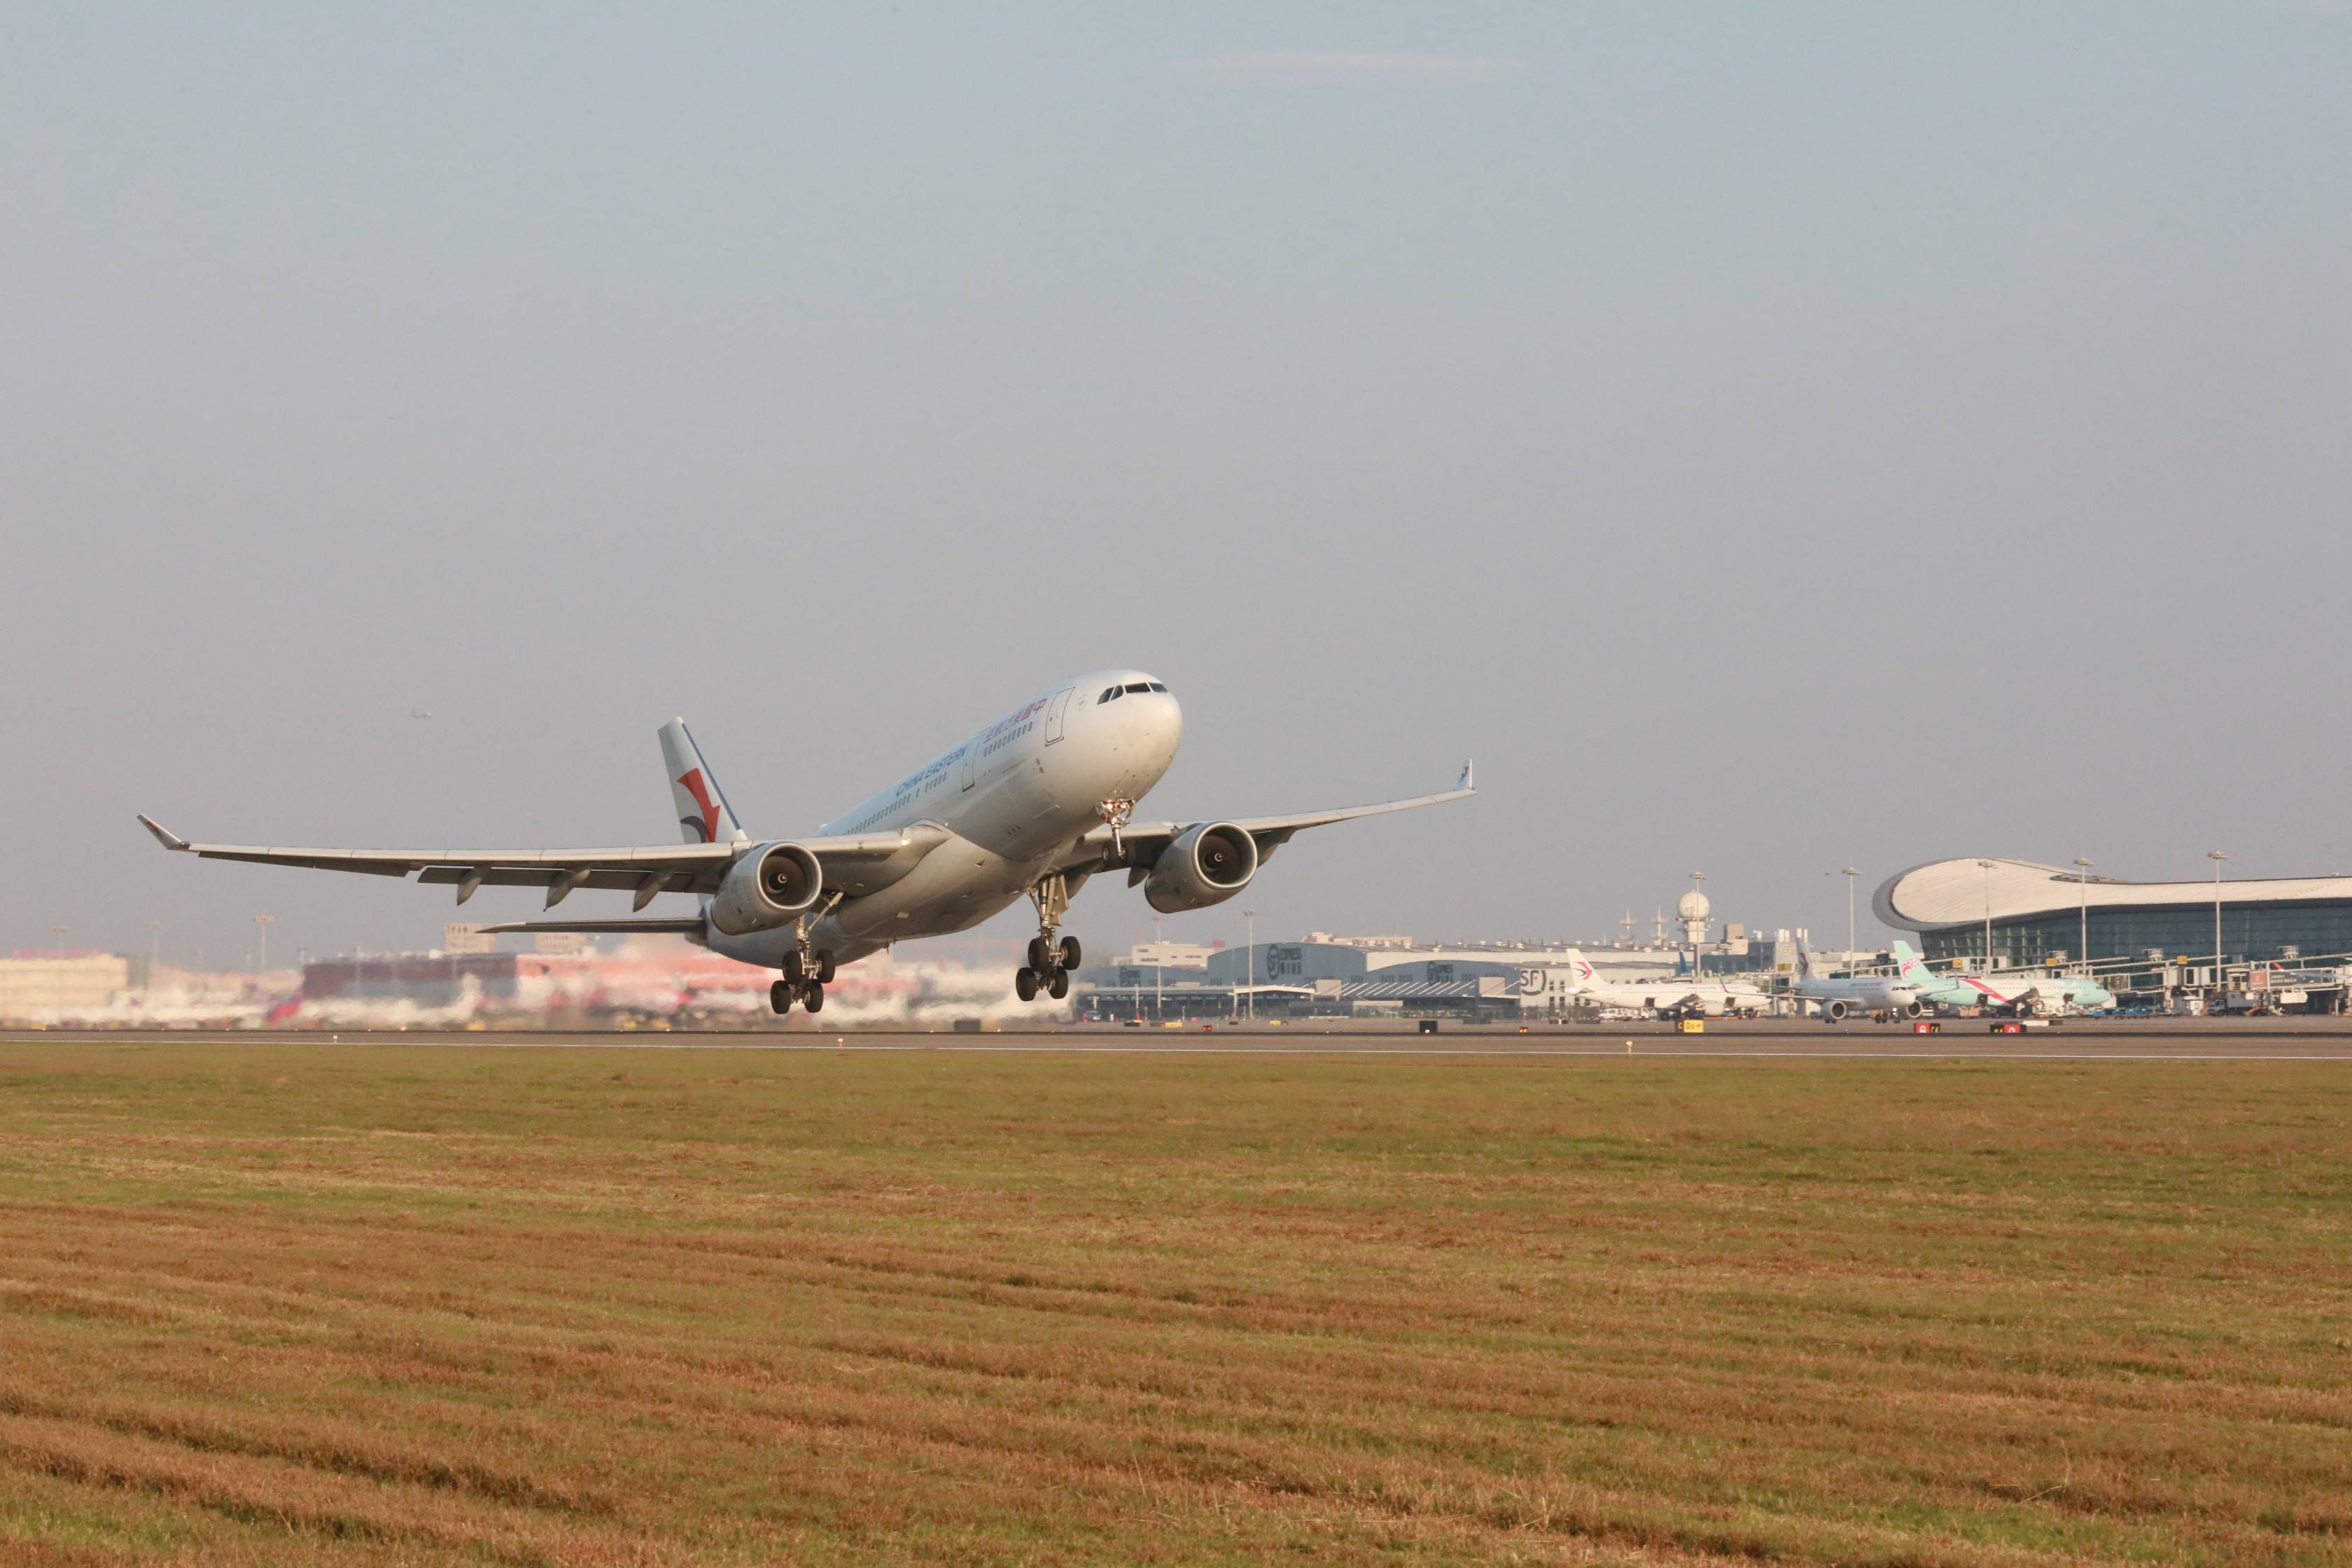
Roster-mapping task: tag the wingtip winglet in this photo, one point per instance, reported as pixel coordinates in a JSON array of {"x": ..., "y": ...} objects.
[
  {"x": 163, "y": 836},
  {"x": 1464, "y": 783}
]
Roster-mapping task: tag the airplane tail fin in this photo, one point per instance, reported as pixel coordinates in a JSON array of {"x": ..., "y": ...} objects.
[
  {"x": 703, "y": 814},
  {"x": 1907, "y": 962},
  {"x": 1805, "y": 958}
]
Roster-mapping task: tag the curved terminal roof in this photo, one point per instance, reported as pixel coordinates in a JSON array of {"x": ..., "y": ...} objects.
[{"x": 1953, "y": 892}]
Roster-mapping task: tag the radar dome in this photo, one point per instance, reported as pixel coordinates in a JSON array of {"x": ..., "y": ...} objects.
[{"x": 1694, "y": 906}]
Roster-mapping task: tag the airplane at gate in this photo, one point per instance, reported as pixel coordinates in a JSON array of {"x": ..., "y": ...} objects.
[
  {"x": 2024, "y": 993},
  {"x": 1842, "y": 994},
  {"x": 1030, "y": 806},
  {"x": 1678, "y": 995}
]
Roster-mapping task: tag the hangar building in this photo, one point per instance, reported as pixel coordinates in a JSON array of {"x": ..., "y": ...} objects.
[{"x": 2040, "y": 913}]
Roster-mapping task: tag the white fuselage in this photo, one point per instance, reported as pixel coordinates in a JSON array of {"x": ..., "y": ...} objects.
[
  {"x": 1716, "y": 998},
  {"x": 1870, "y": 994},
  {"x": 1014, "y": 800},
  {"x": 1659, "y": 994}
]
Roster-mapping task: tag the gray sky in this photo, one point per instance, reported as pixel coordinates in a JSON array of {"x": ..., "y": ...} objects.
[{"x": 1767, "y": 438}]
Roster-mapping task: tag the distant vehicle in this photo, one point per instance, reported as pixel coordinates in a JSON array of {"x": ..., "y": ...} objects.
[
  {"x": 2024, "y": 993},
  {"x": 1664, "y": 996},
  {"x": 1029, "y": 807},
  {"x": 1841, "y": 996}
]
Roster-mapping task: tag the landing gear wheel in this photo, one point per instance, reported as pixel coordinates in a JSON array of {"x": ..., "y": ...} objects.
[
  {"x": 825, "y": 967},
  {"x": 795, "y": 972},
  {"x": 812, "y": 995},
  {"x": 1040, "y": 955},
  {"x": 1070, "y": 951},
  {"x": 1024, "y": 983},
  {"x": 1059, "y": 985},
  {"x": 779, "y": 997}
]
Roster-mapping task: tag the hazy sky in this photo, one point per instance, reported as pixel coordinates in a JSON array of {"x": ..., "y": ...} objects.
[{"x": 1768, "y": 439}]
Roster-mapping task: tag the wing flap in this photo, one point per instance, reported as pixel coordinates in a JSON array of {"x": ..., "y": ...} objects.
[{"x": 602, "y": 927}]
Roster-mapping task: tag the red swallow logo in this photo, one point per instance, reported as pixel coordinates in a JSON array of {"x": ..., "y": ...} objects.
[{"x": 707, "y": 824}]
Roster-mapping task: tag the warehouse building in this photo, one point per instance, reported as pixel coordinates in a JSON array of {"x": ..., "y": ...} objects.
[
  {"x": 2051, "y": 914},
  {"x": 39, "y": 983}
]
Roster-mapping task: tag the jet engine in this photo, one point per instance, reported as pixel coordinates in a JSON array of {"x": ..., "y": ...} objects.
[
  {"x": 765, "y": 888},
  {"x": 1206, "y": 864},
  {"x": 1911, "y": 1009},
  {"x": 1834, "y": 1010}
]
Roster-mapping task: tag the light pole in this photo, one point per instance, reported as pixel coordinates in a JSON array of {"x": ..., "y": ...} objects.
[
  {"x": 1159, "y": 966},
  {"x": 61, "y": 932},
  {"x": 1850, "y": 874},
  {"x": 154, "y": 949},
  {"x": 2083, "y": 937},
  {"x": 1988, "y": 907},
  {"x": 2217, "y": 857},
  {"x": 1250, "y": 917},
  {"x": 262, "y": 921}
]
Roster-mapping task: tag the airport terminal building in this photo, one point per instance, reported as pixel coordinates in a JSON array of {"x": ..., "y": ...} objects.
[{"x": 2045, "y": 914}]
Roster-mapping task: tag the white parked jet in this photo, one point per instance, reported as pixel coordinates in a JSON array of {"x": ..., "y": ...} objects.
[
  {"x": 1863, "y": 992},
  {"x": 1032, "y": 805},
  {"x": 1679, "y": 996}
]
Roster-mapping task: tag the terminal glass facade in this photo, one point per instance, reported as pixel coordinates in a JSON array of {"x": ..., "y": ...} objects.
[{"x": 2314, "y": 928}]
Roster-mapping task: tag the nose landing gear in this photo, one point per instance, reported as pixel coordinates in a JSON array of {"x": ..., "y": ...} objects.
[
  {"x": 1116, "y": 814},
  {"x": 1051, "y": 955}
]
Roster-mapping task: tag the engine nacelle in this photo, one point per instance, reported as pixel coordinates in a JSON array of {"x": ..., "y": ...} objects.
[
  {"x": 770, "y": 886},
  {"x": 1836, "y": 1009},
  {"x": 1205, "y": 864},
  {"x": 1912, "y": 1009}
]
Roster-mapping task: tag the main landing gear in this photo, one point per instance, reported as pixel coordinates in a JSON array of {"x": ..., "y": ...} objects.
[
  {"x": 807, "y": 971},
  {"x": 1051, "y": 958}
]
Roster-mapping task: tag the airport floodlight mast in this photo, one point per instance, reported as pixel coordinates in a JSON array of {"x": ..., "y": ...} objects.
[
  {"x": 2217, "y": 857},
  {"x": 1988, "y": 907},
  {"x": 262, "y": 923},
  {"x": 61, "y": 932},
  {"x": 154, "y": 949},
  {"x": 2082, "y": 936},
  {"x": 1249, "y": 916}
]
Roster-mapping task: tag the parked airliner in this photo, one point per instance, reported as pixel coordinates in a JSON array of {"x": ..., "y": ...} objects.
[
  {"x": 1667, "y": 995},
  {"x": 1030, "y": 806},
  {"x": 1842, "y": 994},
  {"x": 2028, "y": 992}
]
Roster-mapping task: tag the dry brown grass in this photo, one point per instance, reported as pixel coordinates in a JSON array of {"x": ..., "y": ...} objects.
[{"x": 436, "y": 1306}]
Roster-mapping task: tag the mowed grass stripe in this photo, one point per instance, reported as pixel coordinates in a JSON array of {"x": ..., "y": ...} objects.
[{"x": 877, "y": 1307}]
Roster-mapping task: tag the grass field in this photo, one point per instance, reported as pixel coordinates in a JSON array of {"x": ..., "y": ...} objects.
[{"x": 262, "y": 1304}]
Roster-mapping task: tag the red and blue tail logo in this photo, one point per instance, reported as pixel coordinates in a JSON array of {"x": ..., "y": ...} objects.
[{"x": 705, "y": 828}]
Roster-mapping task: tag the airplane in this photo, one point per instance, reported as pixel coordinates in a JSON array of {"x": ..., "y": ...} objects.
[
  {"x": 1843, "y": 995},
  {"x": 1030, "y": 806},
  {"x": 1664, "y": 995},
  {"x": 2025, "y": 993}
]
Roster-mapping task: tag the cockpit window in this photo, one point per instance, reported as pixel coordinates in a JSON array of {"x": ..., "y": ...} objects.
[
  {"x": 1113, "y": 692},
  {"x": 1156, "y": 686},
  {"x": 1134, "y": 686}
]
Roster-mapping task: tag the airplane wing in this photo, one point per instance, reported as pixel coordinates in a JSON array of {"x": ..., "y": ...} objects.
[
  {"x": 648, "y": 869},
  {"x": 1136, "y": 845}
]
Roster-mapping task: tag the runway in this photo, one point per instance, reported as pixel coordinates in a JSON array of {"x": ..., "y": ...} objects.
[{"x": 2086, "y": 1040}]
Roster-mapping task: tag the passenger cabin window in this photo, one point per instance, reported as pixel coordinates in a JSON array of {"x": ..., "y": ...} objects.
[
  {"x": 1114, "y": 692},
  {"x": 1137, "y": 687}
]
